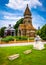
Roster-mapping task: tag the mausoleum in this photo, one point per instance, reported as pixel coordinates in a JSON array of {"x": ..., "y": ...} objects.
[{"x": 9, "y": 31}]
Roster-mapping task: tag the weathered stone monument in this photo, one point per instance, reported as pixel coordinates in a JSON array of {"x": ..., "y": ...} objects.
[
  {"x": 27, "y": 51},
  {"x": 12, "y": 57},
  {"x": 27, "y": 29},
  {"x": 38, "y": 45}
]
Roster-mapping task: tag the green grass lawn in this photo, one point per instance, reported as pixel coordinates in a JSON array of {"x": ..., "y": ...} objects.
[{"x": 35, "y": 58}]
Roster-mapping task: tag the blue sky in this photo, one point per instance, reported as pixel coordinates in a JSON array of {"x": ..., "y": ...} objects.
[{"x": 13, "y": 10}]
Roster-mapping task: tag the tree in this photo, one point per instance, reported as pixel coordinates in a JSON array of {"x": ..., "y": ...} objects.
[
  {"x": 38, "y": 32},
  {"x": 43, "y": 32},
  {"x": 18, "y": 22},
  {"x": 2, "y": 31},
  {"x": 17, "y": 25}
]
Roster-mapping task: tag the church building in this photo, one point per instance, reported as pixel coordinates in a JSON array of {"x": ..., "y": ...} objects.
[{"x": 26, "y": 29}]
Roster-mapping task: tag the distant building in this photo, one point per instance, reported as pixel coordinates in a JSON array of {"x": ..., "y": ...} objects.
[
  {"x": 9, "y": 31},
  {"x": 26, "y": 29},
  {"x": 39, "y": 28}
]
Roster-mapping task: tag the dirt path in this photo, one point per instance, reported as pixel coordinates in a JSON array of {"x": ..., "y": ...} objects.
[{"x": 18, "y": 44}]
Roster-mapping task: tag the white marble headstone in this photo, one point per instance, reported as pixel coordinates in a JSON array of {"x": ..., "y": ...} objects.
[{"x": 38, "y": 45}]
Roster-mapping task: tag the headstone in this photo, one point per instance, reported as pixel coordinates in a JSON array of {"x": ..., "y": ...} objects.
[
  {"x": 27, "y": 51},
  {"x": 38, "y": 45},
  {"x": 12, "y": 57}
]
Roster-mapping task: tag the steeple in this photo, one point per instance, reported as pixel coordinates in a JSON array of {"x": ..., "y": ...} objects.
[
  {"x": 27, "y": 11},
  {"x": 26, "y": 28},
  {"x": 27, "y": 5}
]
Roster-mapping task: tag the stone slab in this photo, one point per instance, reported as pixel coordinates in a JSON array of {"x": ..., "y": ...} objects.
[
  {"x": 27, "y": 51},
  {"x": 12, "y": 57}
]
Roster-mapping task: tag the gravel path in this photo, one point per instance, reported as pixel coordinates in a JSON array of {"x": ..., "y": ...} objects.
[{"x": 18, "y": 44}]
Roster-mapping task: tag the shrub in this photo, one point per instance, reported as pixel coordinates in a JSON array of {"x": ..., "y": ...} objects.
[
  {"x": 8, "y": 38},
  {"x": 44, "y": 38},
  {"x": 31, "y": 38},
  {"x": 24, "y": 38},
  {"x": 21, "y": 38}
]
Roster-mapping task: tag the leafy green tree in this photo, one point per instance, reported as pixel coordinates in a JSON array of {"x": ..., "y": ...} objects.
[
  {"x": 18, "y": 22},
  {"x": 43, "y": 32},
  {"x": 2, "y": 31},
  {"x": 38, "y": 32},
  {"x": 17, "y": 25}
]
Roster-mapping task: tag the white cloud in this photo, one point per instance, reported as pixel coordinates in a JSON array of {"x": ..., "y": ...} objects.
[
  {"x": 12, "y": 17},
  {"x": 38, "y": 21},
  {"x": 9, "y": 19},
  {"x": 20, "y": 4},
  {"x": 5, "y": 23}
]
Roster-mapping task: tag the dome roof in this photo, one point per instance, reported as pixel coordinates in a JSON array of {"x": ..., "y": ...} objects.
[{"x": 27, "y": 11}]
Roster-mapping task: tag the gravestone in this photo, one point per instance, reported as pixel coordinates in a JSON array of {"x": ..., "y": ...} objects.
[
  {"x": 38, "y": 45},
  {"x": 12, "y": 57},
  {"x": 27, "y": 51}
]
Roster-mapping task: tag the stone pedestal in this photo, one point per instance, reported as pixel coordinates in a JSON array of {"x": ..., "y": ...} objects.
[{"x": 39, "y": 45}]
